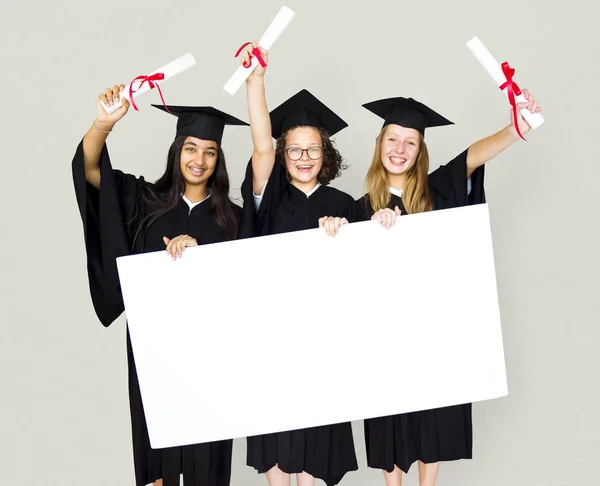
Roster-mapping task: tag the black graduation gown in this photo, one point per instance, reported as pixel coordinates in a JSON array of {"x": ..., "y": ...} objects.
[
  {"x": 110, "y": 218},
  {"x": 325, "y": 452},
  {"x": 441, "y": 434}
]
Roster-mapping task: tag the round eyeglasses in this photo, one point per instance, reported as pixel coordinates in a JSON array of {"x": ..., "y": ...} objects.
[{"x": 314, "y": 153}]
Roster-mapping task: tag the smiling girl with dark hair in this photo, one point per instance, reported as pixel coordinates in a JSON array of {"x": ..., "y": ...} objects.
[{"x": 123, "y": 215}]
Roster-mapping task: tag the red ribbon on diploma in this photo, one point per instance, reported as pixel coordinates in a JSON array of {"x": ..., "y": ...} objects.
[
  {"x": 512, "y": 89},
  {"x": 150, "y": 80},
  {"x": 253, "y": 53}
]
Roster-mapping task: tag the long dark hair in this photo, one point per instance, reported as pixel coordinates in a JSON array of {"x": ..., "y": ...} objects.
[
  {"x": 333, "y": 164},
  {"x": 164, "y": 195}
]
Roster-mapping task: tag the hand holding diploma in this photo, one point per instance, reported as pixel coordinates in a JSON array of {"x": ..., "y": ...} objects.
[
  {"x": 95, "y": 138},
  {"x": 247, "y": 56},
  {"x": 145, "y": 83},
  {"x": 519, "y": 122},
  {"x": 275, "y": 29},
  {"x": 111, "y": 97},
  {"x": 503, "y": 78}
]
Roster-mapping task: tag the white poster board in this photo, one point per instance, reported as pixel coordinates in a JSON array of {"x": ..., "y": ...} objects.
[{"x": 300, "y": 329}]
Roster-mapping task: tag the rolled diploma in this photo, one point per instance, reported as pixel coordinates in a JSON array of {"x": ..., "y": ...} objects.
[
  {"x": 275, "y": 29},
  {"x": 494, "y": 69},
  {"x": 173, "y": 68}
]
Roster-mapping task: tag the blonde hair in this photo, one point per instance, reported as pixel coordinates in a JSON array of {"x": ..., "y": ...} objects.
[{"x": 415, "y": 197}]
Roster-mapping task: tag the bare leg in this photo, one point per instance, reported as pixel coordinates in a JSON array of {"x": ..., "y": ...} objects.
[
  {"x": 394, "y": 478},
  {"x": 305, "y": 479},
  {"x": 428, "y": 473},
  {"x": 158, "y": 482},
  {"x": 276, "y": 477}
]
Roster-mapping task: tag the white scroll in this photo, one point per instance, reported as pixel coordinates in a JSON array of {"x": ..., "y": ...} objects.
[
  {"x": 492, "y": 66},
  {"x": 370, "y": 323},
  {"x": 172, "y": 69},
  {"x": 275, "y": 29}
]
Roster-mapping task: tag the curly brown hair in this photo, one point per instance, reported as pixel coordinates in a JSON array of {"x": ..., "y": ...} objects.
[{"x": 332, "y": 160}]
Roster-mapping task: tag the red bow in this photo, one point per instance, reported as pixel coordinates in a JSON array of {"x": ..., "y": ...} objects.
[
  {"x": 150, "y": 80},
  {"x": 255, "y": 52},
  {"x": 512, "y": 89}
]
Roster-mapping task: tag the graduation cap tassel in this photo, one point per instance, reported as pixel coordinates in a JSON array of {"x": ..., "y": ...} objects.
[
  {"x": 151, "y": 82},
  {"x": 512, "y": 89}
]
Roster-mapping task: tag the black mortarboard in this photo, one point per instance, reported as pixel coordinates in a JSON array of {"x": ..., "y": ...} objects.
[
  {"x": 204, "y": 122},
  {"x": 407, "y": 113},
  {"x": 304, "y": 109}
]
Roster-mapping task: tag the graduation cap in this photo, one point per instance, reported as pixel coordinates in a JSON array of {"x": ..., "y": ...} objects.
[
  {"x": 203, "y": 122},
  {"x": 304, "y": 109},
  {"x": 407, "y": 113}
]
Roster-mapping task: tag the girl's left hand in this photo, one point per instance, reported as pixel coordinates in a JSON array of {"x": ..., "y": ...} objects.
[
  {"x": 387, "y": 217},
  {"x": 175, "y": 246},
  {"x": 331, "y": 224}
]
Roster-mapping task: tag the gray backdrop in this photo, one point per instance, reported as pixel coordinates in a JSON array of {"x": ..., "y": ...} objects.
[{"x": 64, "y": 411}]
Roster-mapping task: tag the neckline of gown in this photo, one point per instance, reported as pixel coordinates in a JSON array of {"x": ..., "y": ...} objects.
[{"x": 296, "y": 195}]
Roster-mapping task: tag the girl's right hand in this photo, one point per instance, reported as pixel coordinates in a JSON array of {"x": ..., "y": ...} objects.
[
  {"x": 110, "y": 97},
  {"x": 259, "y": 71},
  {"x": 387, "y": 217}
]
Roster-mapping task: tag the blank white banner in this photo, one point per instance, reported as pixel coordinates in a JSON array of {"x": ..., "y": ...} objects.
[{"x": 298, "y": 330}]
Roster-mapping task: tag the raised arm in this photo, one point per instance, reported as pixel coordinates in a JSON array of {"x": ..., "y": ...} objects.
[
  {"x": 94, "y": 139},
  {"x": 487, "y": 148},
  {"x": 263, "y": 155}
]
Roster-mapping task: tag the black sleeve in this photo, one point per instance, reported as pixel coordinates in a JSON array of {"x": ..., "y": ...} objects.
[
  {"x": 362, "y": 213},
  {"x": 107, "y": 216},
  {"x": 247, "y": 228},
  {"x": 448, "y": 184},
  {"x": 238, "y": 215},
  {"x": 260, "y": 223},
  {"x": 350, "y": 211}
]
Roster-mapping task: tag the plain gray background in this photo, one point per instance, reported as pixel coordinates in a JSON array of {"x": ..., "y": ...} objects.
[{"x": 64, "y": 405}]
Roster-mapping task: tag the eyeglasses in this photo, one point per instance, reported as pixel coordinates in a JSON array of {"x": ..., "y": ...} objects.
[{"x": 314, "y": 153}]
